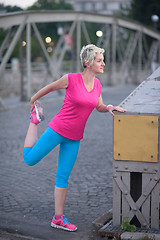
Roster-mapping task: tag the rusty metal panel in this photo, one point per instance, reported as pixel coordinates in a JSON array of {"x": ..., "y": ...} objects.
[{"x": 136, "y": 138}]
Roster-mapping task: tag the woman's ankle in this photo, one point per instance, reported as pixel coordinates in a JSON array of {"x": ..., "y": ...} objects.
[{"x": 58, "y": 216}]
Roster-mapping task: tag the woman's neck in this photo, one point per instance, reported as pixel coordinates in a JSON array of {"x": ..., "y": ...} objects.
[{"x": 88, "y": 77}]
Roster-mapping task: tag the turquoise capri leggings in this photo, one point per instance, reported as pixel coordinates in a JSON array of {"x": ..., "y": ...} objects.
[{"x": 67, "y": 154}]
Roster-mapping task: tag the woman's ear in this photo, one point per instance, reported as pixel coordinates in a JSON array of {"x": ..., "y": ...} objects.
[{"x": 87, "y": 64}]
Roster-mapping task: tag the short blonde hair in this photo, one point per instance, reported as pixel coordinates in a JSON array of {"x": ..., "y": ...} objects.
[{"x": 88, "y": 54}]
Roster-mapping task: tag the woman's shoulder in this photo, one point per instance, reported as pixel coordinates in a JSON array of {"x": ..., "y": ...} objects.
[
  {"x": 73, "y": 75},
  {"x": 73, "y": 78},
  {"x": 97, "y": 81}
]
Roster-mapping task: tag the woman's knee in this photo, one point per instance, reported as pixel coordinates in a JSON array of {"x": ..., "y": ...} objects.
[
  {"x": 29, "y": 163},
  {"x": 27, "y": 159}
]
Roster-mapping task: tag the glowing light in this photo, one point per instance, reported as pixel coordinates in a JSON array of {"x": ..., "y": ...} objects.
[
  {"x": 155, "y": 18},
  {"x": 24, "y": 43},
  {"x": 51, "y": 44},
  {"x": 49, "y": 49},
  {"x": 99, "y": 33},
  {"x": 48, "y": 39}
]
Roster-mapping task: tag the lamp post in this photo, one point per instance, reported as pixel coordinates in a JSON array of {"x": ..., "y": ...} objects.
[
  {"x": 99, "y": 33},
  {"x": 155, "y": 19}
]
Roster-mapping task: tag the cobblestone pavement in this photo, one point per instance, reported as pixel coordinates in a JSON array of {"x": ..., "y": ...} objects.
[{"x": 26, "y": 193}]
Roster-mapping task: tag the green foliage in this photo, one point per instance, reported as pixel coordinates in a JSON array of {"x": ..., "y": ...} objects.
[
  {"x": 50, "y": 5},
  {"x": 9, "y": 8},
  {"x": 2, "y": 34},
  {"x": 127, "y": 226},
  {"x": 142, "y": 11}
]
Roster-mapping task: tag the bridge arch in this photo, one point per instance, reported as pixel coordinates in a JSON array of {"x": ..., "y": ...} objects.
[{"x": 129, "y": 57}]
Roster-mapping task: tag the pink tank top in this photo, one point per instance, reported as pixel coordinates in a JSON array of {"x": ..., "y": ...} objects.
[{"x": 78, "y": 104}]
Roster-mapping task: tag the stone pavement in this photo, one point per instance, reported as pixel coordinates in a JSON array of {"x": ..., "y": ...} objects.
[{"x": 27, "y": 193}]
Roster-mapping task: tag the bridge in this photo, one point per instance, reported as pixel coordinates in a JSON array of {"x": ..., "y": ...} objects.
[{"x": 132, "y": 49}]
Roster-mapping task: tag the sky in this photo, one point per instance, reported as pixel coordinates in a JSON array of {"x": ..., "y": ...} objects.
[{"x": 21, "y": 3}]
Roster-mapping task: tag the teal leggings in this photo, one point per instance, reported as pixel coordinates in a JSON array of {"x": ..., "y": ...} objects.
[{"x": 67, "y": 154}]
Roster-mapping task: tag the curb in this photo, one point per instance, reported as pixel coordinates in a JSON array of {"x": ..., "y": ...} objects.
[{"x": 4, "y": 235}]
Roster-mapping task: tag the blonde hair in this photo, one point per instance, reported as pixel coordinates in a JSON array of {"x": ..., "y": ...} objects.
[{"x": 88, "y": 54}]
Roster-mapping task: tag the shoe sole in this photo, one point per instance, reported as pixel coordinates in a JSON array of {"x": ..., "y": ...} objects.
[
  {"x": 38, "y": 115},
  {"x": 66, "y": 229}
]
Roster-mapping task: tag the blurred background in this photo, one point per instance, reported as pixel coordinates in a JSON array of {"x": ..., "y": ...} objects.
[{"x": 41, "y": 40}]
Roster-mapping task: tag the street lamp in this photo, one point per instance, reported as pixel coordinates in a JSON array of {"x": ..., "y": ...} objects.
[
  {"x": 155, "y": 19},
  {"x": 99, "y": 33},
  {"x": 48, "y": 39}
]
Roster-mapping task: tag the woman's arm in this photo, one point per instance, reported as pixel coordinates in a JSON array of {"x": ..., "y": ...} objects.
[
  {"x": 61, "y": 83},
  {"x": 107, "y": 108},
  {"x": 100, "y": 106}
]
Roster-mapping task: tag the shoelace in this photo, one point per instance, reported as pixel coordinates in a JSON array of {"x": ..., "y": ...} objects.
[{"x": 65, "y": 220}]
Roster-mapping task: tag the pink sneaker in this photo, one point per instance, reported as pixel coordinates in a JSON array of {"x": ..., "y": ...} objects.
[
  {"x": 63, "y": 223},
  {"x": 37, "y": 114}
]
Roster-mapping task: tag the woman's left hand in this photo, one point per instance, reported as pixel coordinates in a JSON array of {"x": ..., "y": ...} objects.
[{"x": 115, "y": 108}]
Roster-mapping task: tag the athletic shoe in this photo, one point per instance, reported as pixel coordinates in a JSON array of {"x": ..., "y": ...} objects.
[
  {"x": 63, "y": 223},
  {"x": 37, "y": 115}
]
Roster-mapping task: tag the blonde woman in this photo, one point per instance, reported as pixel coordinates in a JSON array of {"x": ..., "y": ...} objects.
[{"x": 82, "y": 95}]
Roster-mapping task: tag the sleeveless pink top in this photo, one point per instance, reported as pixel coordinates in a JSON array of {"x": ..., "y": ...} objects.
[{"x": 78, "y": 104}]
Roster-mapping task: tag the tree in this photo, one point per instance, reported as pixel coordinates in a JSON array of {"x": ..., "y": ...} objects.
[
  {"x": 142, "y": 10},
  {"x": 50, "y": 5},
  {"x": 9, "y": 8}
]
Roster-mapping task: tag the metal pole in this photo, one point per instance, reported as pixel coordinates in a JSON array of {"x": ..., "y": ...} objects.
[
  {"x": 65, "y": 46},
  {"x": 73, "y": 52},
  {"x": 139, "y": 56},
  {"x": 108, "y": 54},
  {"x": 86, "y": 33},
  {"x": 28, "y": 55},
  {"x": 159, "y": 52},
  {"x": 78, "y": 44},
  {"x": 22, "y": 84},
  {"x": 52, "y": 69},
  {"x": 113, "y": 52}
]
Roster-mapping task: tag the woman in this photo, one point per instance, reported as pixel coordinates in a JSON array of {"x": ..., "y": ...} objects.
[{"x": 83, "y": 94}]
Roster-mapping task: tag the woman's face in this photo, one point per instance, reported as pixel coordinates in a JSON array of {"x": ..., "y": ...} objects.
[{"x": 98, "y": 64}]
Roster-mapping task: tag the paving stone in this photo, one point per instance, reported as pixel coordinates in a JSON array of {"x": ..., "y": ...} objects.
[{"x": 28, "y": 192}]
